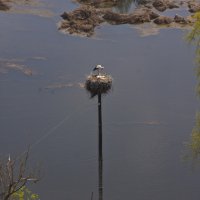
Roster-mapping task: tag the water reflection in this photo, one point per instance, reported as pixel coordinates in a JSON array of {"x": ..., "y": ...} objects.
[
  {"x": 125, "y": 6},
  {"x": 100, "y": 179}
]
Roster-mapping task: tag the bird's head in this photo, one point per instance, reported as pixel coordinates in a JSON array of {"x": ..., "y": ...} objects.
[{"x": 99, "y": 67}]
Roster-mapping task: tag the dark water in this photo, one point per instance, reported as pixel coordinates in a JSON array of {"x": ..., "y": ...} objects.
[{"x": 146, "y": 118}]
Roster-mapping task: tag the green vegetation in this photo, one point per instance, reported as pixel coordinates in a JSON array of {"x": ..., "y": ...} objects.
[
  {"x": 14, "y": 178},
  {"x": 194, "y": 38},
  {"x": 194, "y": 35},
  {"x": 24, "y": 194},
  {"x": 195, "y": 138}
]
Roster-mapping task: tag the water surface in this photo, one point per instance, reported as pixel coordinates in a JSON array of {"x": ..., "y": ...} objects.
[{"x": 146, "y": 118}]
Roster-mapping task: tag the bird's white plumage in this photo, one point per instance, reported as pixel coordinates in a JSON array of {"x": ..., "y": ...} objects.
[{"x": 98, "y": 67}]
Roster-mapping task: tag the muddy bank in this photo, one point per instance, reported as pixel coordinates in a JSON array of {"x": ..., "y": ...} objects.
[
  {"x": 161, "y": 5},
  {"x": 7, "y": 66},
  {"x": 193, "y": 6},
  {"x": 86, "y": 18},
  {"x": 4, "y": 6},
  {"x": 33, "y": 7},
  {"x": 99, "y": 3},
  {"x": 19, "y": 65},
  {"x": 81, "y": 21}
]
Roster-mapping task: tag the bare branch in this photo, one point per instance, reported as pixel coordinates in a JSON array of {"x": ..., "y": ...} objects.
[{"x": 14, "y": 176}]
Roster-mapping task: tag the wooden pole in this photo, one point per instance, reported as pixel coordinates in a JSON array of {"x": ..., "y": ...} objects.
[
  {"x": 100, "y": 127},
  {"x": 100, "y": 150}
]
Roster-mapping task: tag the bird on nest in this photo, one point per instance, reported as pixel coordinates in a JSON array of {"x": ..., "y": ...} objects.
[{"x": 98, "y": 68}]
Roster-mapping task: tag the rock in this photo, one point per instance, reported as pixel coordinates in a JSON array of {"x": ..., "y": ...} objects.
[
  {"x": 79, "y": 14},
  {"x": 81, "y": 21},
  {"x": 4, "y": 6},
  {"x": 193, "y": 6},
  {"x": 65, "y": 16},
  {"x": 139, "y": 16},
  {"x": 82, "y": 14},
  {"x": 116, "y": 18},
  {"x": 99, "y": 3},
  {"x": 84, "y": 19},
  {"x": 153, "y": 15},
  {"x": 142, "y": 15},
  {"x": 162, "y": 5},
  {"x": 172, "y": 5},
  {"x": 163, "y": 20},
  {"x": 180, "y": 20},
  {"x": 139, "y": 19},
  {"x": 104, "y": 3},
  {"x": 159, "y": 5}
]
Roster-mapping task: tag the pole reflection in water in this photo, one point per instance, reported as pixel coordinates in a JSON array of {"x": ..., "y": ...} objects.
[
  {"x": 100, "y": 150},
  {"x": 100, "y": 128},
  {"x": 100, "y": 179}
]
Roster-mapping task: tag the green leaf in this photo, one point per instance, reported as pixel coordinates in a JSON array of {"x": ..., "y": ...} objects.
[{"x": 25, "y": 194}]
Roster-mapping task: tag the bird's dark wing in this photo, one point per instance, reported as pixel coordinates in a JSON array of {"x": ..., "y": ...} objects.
[{"x": 94, "y": 69}]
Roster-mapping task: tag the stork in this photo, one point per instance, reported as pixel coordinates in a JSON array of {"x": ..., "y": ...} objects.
[{"x": 98, "y": 68}]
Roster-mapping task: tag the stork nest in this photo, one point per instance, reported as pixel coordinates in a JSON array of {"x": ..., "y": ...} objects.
[{"x": 98, "y": 84}]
